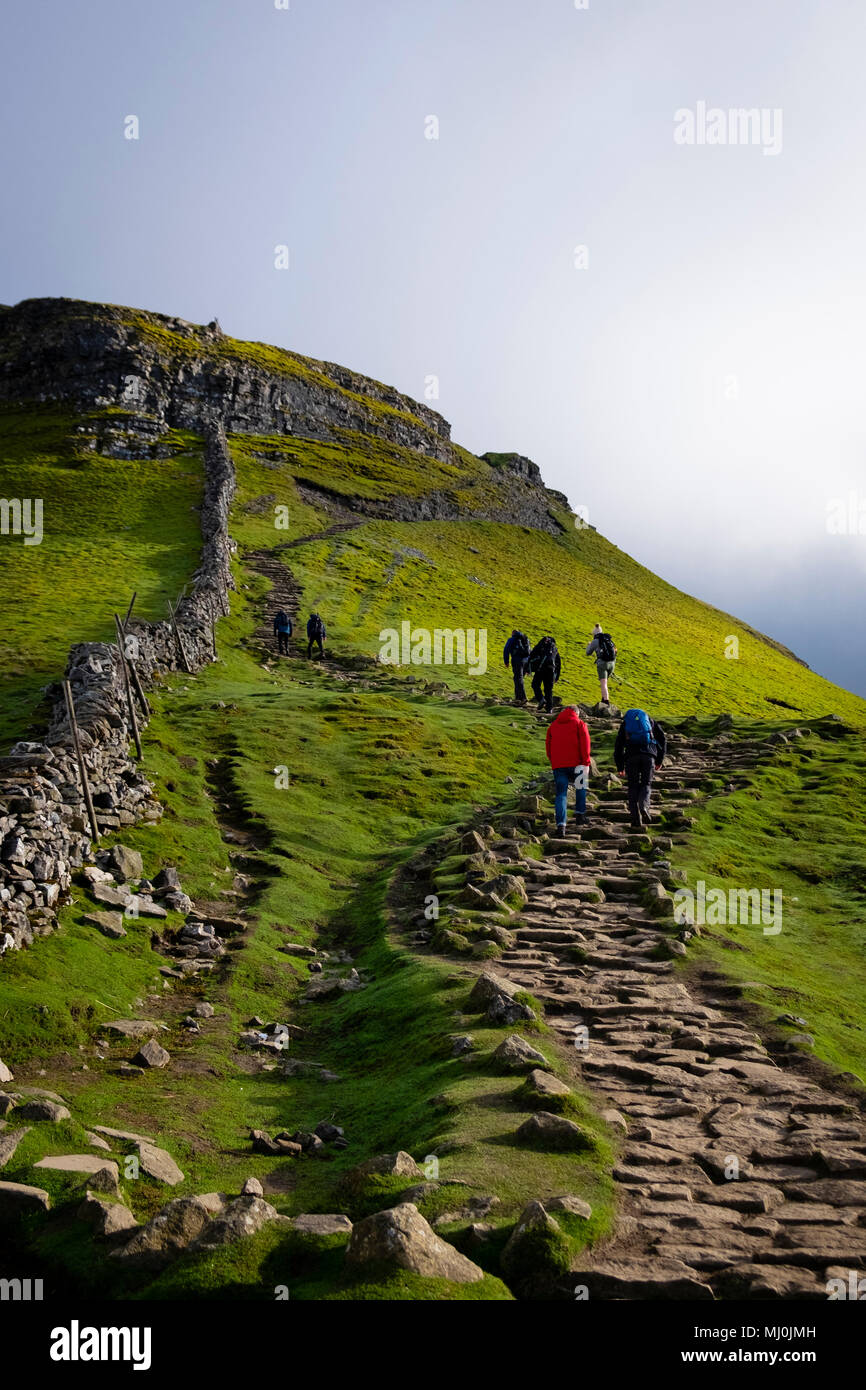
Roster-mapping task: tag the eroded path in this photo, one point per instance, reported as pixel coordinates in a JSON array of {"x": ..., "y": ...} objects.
[{"x": 739, "y": 1178}]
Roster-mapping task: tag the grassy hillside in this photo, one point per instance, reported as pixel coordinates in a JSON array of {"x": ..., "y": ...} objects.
[
  {"x": 481, "y": 574},
  {"x": 111, "y": 527},
  {"x": 377, "y": 766}
]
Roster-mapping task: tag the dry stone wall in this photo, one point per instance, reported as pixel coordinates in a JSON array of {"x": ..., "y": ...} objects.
[{"x": 44, "y": 829}]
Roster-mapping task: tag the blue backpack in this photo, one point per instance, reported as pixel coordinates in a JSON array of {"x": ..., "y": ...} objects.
[{"x": 639, "y": 731}]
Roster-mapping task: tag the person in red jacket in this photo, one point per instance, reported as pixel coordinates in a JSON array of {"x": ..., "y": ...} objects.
[{"x": 568, "y": 748}]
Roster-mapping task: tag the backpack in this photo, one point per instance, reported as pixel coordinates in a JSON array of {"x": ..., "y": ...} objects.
[
  {"x": 606, "y": 648},
  {"x": 521, "y": 645},
  {"x": 283, "y": 622},
  {"x": 318, "y": 629},
  {"x": 545, "y": 654},
  {"x": 638, "y": 731}
]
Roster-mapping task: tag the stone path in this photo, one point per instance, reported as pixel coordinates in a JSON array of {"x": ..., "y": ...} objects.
[{"x": 702, "y": 1097}]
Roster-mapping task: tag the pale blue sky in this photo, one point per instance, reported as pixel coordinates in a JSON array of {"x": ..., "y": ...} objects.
[{"x": 698, "y": 386}]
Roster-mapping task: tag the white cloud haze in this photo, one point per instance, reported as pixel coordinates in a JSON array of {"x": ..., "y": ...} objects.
[{"x": 698, "y": 386}]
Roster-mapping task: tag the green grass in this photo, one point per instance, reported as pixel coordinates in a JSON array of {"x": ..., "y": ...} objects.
[
  {"x": 111, "y": 527},
  {"x": 799, "y": 827},
  {"x": 487, "y": 575}
]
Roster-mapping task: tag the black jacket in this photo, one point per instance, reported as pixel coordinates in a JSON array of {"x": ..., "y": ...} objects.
[
  {"x": 544, "y": 660},
  {"x": 657, "y": 748}
]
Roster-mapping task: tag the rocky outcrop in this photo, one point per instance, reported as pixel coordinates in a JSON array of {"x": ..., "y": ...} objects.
[
  {"x": 165, "y": 373},
  {"x": 137, "y": 376},
  {"x": 44, "y": 830}
]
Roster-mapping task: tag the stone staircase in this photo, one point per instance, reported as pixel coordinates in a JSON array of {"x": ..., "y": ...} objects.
[{"x": 737, "y": 1178}]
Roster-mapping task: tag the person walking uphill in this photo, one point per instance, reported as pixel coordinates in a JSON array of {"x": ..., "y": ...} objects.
[
  {"x": 639, "y": 749},
  {"x": 602, "y": 646},
  {"x": 517, "y": 649},
  {"x": 282, "y": 632},
  {"x": 315, "y": 633},
  {"x": 546, "y": 668},
  {"x": 568, "y": 748}
]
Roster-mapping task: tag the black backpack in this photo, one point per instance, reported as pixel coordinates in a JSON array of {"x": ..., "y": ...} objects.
[
  {"x": 545, "y": 654},
  {"x": 318, "y": 627},
  {"x": 606, "y": 649},
  {"x": 521, "y": 645}
]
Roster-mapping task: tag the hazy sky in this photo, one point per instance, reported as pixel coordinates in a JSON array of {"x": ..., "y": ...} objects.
[{"x": 695, "y": 377}]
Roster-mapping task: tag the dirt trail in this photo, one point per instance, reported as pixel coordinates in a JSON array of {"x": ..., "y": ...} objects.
[{"x": 702, "y": 1097}]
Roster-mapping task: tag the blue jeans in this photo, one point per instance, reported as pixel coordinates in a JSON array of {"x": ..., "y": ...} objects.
[{"x": 563, "y": 777}]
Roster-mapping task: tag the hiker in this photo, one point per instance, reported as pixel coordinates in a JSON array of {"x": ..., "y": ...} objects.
[
  {"x": 282, "y": 632},
  {"x": 517, "y": 649},
  {"x": 602, "y": 646},
  {"x": 568, "y": 748},
  {"x": 546, "y": 667},
  {"x": 315, "y": 633},
  {"x": 640, "y": 750}
]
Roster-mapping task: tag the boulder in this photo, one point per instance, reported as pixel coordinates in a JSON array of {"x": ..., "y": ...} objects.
[
  {"x": 516, "y": 1054},
  {"x": 401, "y": 1238},
  {"x": 105, "y": 1180},
  {"x": 159, "y": 1165},
  {"x": 215, "y": 1202},
  {"x": 152, "y": 1055},
  {"x": 129, "y": 1135},
  {"x": 170, "y": 1232},
  {"x": 18, "y": 1199},
  {"x": 166, "y": 881},
  {"x": 398, "y": 1165},
  {"x": 295, "y": 948},
  {"x": 494, "y": 996},
  {"x": 252, "y": 1188},
  {"x": 575, "y": 1206},
  {"x": 203, "y": 1010},
  {"x": 78, "y": 1163},
  {"x": 241, "y": 1217},
  {"x": 536, "y": 1250},
  {"x": 506, "y": 887},
  {"x": 546, "y": 1090},
  {"x": 107, "y": 1218},
  {"x": 658, "y": 901},
  {"x": 43, "y": 1110},
  {"x": 109, "y": 923},
  {"x": 124, "y": 864},
  {"x": 141, "y": 906},
  {"x": 615, "y": 1120},
  {"x": 5, "y": 1073},
  {"x": 109, "y": 895},
  {"x": 322, "y": 1224},
  {"x": 131, "y": 1028},
  {"x": 9, "y": 1143},
  {"x": 553, "y": 1132}
]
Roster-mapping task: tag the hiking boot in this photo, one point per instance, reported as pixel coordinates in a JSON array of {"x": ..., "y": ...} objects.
[
  {"x": 580, "y": 818},
  {"x": 646, "y": 817},
  {"x": 560, "y": 831}
]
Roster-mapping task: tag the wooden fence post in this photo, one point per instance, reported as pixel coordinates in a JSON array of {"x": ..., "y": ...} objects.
[
  {"x": 134, "y": 676},
  {"x": 128, "y": 684},
  {"x": 82, "y": 770},
  {"x": 177, "y": 637}
]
